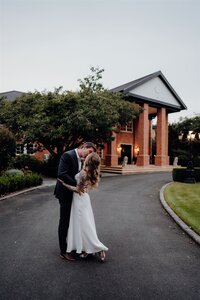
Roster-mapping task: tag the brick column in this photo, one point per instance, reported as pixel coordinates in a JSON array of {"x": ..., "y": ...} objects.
[
  {"x": 162, "y": 158},
  {"x": 150, "y": 139},
  {"x": 167, "y": 140},
  {"x": 143, "y": 137},
  {"x": 111, "y": 158}
]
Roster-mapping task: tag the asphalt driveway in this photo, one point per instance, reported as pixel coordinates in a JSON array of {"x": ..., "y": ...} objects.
[{"x": 149, "y": 256}]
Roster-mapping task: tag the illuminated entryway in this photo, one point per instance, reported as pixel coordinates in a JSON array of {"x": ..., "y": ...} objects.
[{"x": 158, "y": 99}]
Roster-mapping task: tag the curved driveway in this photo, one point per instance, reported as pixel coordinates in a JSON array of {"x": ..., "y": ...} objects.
[{"x": 149, "y": 257}]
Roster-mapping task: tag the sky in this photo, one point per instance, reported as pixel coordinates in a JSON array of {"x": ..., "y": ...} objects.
[{"x": 45, "y": 44}]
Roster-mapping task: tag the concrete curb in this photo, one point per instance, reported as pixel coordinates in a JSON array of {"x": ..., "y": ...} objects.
[
  {"x": 184, "y": 226},
  {"x": 48, "y": 183},
  {"x": 27, "y": 190}
]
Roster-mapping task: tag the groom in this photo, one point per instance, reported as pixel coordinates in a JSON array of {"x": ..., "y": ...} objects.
[{"x": 69, "y": 166}]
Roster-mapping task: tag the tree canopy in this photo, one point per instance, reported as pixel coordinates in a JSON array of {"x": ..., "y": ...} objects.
[
  {"x": 62, "y": 120},
  {"x": 184, "y": 139},
  {"x": 7, "y": 147}
]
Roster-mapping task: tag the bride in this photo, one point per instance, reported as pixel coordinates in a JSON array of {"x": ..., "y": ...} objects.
[{"x": 82, "y": 236}]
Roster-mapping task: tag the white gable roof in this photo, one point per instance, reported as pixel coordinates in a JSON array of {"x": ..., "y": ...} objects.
[{"x": 153, "y": 89}]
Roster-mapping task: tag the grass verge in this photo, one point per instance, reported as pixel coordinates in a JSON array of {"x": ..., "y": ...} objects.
[{"x": 184, "y": 200}]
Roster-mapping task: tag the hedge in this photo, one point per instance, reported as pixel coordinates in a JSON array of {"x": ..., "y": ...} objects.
[
  {"x": 48, "y": 168},
  {"x": 16, "y": 182},
  {"x": 180, "y": 174},
  {"x": 27, "y": 161}
]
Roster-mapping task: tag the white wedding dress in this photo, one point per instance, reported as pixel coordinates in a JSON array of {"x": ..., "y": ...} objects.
[{"x": 82, "y": 235}]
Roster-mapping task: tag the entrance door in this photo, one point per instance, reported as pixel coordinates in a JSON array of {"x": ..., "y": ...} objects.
[{"x": 126, "y": 151}]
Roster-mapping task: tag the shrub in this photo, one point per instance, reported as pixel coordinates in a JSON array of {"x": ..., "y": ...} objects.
[
  {"x": 16, "y": 182},
  {"x": 33, "y": 179},
  {"x": 197, "y": 174},
  {"x": 11, "y": 183},
  {"x": 196, "y": 161},
  {"x": 183, "y": 160},
  {"x": 25, "y": 160},
  {"x": 4, "y": 185},
  {"x": 7, "y": 147},
  {"x": 180, "y": 174},
  {"x": 50, "y": 167},
  {"x": 14, "y": 172}
]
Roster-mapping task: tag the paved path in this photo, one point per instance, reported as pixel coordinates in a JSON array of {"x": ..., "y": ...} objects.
[{"x": 149, "y": 257}]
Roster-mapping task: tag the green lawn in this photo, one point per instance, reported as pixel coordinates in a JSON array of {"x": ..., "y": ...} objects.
[{"x": 184, "y": 200}]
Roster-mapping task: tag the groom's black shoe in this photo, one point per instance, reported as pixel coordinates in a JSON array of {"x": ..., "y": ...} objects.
[{"x": 67, "y": 256}]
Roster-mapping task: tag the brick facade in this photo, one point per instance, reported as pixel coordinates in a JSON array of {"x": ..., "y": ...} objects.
[
  {"x": 140, "y": 141},
  {"x": 157, "y": 97}
]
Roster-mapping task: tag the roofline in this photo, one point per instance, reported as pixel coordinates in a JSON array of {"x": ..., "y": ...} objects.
[
  {"x": 153, "y": 102},
  {"x": 13, "y": 91},
  {"x": 136, "y": 82},
  {"x": 125, "y": 88},
  {"x": 144, "y": 80}
]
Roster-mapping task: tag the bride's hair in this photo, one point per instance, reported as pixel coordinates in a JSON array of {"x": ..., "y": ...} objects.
[{"x": 91, "y": 169}]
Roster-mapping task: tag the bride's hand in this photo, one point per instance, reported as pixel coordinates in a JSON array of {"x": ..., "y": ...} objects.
[{"x": 80, "y": 189}]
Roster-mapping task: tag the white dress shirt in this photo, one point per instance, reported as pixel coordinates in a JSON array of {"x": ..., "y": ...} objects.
[{"x": 79, "y": 160}]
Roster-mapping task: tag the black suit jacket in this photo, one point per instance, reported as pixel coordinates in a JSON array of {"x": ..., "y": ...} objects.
[{"x": 67, "y": 169}]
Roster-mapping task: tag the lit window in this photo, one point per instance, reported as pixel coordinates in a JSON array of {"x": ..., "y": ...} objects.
[{"x": 25, "y": 149}]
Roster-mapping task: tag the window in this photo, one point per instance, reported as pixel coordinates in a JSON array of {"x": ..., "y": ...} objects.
[
  {"x": 25, "y": 149},
  {"x": 128, "y": 127},
  {"x": 30, "y": 148},
  {"x": 20, "y": 149}
]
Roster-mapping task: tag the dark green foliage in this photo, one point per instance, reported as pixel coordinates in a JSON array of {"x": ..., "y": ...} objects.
[
  {"x": 22, "y": 161},
  {"x": 196, "y": 160},
  {"x": 180, "y": 143},
  {"x": 14, "y": 172},
  {"x": 62, "y": 120},
  {"x": 29, "y": 163},
  {"x": 50, "y": 167},
  {"x": 7, "y": 147},
  {"x": 12, "y": 183},
  {"x": 180, "y": 174}
]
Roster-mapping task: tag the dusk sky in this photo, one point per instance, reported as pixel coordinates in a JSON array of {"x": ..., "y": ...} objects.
[{"x": 51, "y": 43}]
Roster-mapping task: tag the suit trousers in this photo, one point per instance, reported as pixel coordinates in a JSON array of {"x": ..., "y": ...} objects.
[{"x": 65, "y": 209}]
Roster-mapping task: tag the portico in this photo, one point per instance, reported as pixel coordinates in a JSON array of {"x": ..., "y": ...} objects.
[{"x": 158, "y": 99}]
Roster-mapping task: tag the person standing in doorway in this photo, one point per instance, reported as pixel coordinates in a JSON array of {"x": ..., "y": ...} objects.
[{"x": 70, "y": 164}]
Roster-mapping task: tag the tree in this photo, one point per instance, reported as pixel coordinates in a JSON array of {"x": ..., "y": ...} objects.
[
  {"x": 7, "y": 147},
  {"x": 62, "y": 120},
  {"x": 184, "y": 140}
]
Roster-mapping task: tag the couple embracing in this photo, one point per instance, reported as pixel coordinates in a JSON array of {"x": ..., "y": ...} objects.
[{"x": 77, "y": 230}]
